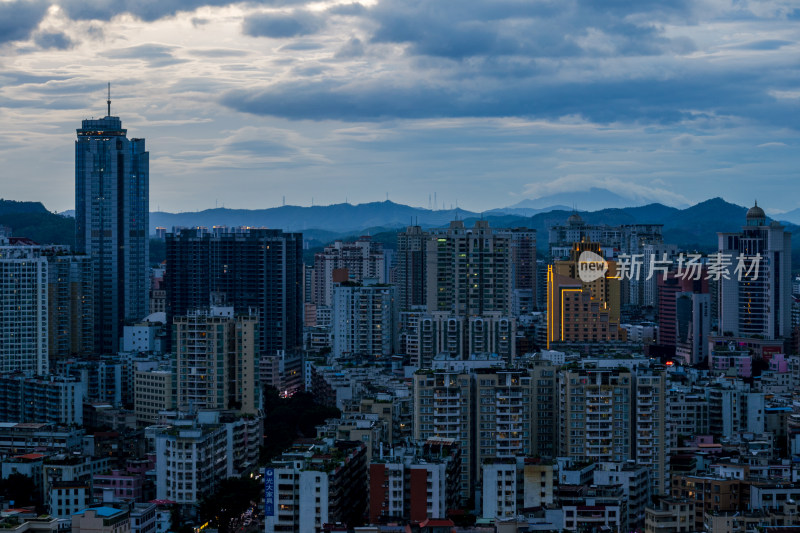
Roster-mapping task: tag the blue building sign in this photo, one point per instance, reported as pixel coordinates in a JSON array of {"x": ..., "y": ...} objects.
[{"x": 269, "y": 492}]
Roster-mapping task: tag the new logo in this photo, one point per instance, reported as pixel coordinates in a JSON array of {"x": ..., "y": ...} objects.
[{"x": 591, "y": 266}]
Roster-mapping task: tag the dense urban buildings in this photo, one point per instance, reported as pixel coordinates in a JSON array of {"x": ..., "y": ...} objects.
[
  {"x": 447, "y": 378},
  {"x": 256, "y": 269}
]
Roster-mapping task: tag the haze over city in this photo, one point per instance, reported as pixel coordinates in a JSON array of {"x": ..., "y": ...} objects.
[{"x": 483, "y": 104}]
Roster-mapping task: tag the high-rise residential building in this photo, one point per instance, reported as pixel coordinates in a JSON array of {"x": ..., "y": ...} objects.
[
  {"x": 68, "y": 325},
  {"x": 112, "y": 215},
  {"x": 258, "y": 269},
  {"x": 363, "y": 319},
  {"x": 643, "y": 291},
  {"x": 684, "y": 314},
  {"x": 443, "y": 409},
  {"x": 439, "y": 268},
  {"x": 23, "y": 309},
  {"x": 693, "y": 327},
  {"x": 651, "y": 430},
  {"x": 469, "y": 270},
  {"x": 502, "y": 408},
  {"x": 627, "y": 238},
  {"x": 596, "y": 414},
  {"x": 644, "y": 241},
  {"x": 755, "y": 294},
  {"x": 70, "y": 309},
  {"x": 363, "y": 259},
  {"x": 544, "y": 409},
  {"x": 523, "y": 269},
  {"x": 215, "y": 357},
  {"x": 411, "y": 278},
  {"x": 427, "y": 335}
]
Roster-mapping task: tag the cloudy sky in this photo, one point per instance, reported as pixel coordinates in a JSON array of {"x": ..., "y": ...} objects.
[{"x": 484, "y": 103}]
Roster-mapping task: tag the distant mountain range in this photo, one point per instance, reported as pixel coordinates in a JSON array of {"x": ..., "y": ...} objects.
[
  {"x": 793, "y": 216},
  {"x": 340, "y": 218},
  {"x": 592, "y": 199},
  {"x": 694, "y": 227}
]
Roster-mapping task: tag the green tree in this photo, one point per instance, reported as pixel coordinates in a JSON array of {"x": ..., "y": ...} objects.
[
  {"x": 286, "y": 419},
  {"x": 20, "y": 489},
  {"x": 232, "y": 497}
]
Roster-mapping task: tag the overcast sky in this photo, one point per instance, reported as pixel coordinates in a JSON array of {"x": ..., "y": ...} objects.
[{"x": 484, "y": 103}]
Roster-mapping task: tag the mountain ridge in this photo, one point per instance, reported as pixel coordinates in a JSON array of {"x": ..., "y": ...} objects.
[{"x": 694, "y": 226}]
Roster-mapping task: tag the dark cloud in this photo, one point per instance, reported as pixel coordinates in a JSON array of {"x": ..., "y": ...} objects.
[
  {"x": 282, "y": 25},
  {"x": 156, "y": 55},
  {"x": 650, "y": 100},
  {"x": 53, "y": 39},
  {"x": 461, "y": 29},
  {"x": 147, "y": 10},
  {"x": 19, "y": 18},
  {"x": 9, "y": 78}
]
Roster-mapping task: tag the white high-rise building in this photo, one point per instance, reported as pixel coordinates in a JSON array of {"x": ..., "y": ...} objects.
[
  {"x": 363, "y": 259},
  {"x": 363, "y": 319},
  {"x": 23, "y": 309},
  {"x": 756, "y": 303}
]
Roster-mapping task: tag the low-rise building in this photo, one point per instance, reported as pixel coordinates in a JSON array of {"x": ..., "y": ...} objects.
[
  {"x": 315, "y": 484},
  {"x": 153, "y": 393},
  {"x": 418, "y": 483},
  {"x": 101, "y": 520},
  {"x": 671, "y": 516},
  {"x": 193, "y": 455}
]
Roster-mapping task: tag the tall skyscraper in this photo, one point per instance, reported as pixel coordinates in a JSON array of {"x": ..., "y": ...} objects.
[
  {"x": 758, "y": 302},
  {"x": 260, "y": 269},
  {"x": 111, "y": 223}
]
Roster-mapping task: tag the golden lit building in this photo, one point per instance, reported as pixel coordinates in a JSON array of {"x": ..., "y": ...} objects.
[{"x": 582, "y": 310}]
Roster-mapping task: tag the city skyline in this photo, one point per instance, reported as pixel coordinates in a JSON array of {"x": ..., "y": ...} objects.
[{"x": 482, "y": 107}]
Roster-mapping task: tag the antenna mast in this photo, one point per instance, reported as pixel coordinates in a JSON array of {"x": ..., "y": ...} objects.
[{"x": 108, "y": 102}]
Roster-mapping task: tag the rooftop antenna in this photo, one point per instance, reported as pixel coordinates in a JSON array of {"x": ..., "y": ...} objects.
[{"x": 108, "y": 102}]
